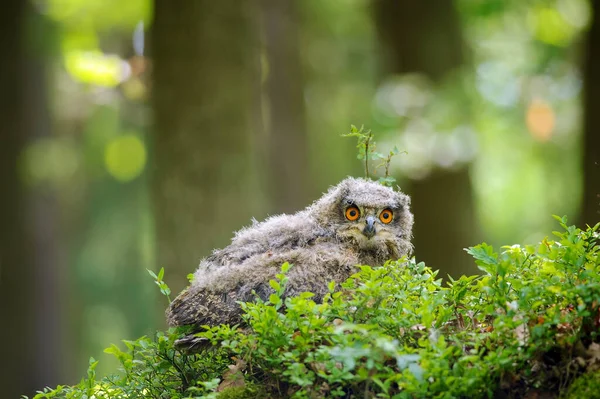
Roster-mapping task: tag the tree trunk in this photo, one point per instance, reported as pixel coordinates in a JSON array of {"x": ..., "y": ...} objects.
[
  {"x": 591, "y": 134},
  {"x": 205, "y": 79},
  {"x": 30, "y": 278},
  {"x": 424, "y": 38},
  {"x": 287, "y": 169}
]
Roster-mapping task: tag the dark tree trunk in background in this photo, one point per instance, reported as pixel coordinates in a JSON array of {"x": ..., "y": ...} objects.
[
  {"x": 205, "y": 78},
  {"x": 32, "y": 355},
  {"x": 287, "y": 168},
  {"x": 425, "y": 38},
  {"x": 591, "y": 135},
  {"x": 16, "y": 263}
]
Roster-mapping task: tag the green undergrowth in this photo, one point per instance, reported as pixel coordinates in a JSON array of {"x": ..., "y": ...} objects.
[{"x": 527, "y": 326}]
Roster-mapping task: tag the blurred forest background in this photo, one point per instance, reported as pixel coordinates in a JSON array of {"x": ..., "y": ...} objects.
[{"x": 140, "y": 134}]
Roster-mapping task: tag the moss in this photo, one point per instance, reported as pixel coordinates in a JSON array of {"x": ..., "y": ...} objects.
[
  {"x": 586, "y": 386},
  {"x": 247, "y": 392}
]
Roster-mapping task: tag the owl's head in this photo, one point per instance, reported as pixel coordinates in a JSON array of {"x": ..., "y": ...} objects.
[{"x": 373, "y": 218}]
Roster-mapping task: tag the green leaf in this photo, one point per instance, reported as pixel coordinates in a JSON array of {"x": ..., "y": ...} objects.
[
  {"x": 486, "y": 258},
  {"x": 377, "y": 155},
  {"x": 274, "y": 299},
  {"x": 275, "y": 285},
  {"x": 113, "y": 350},
  {"x": 387, "y": 181},
  {"x": 331, "y": 286}
]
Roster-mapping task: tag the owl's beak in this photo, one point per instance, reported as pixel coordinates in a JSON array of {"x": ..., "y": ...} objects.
[{"x": 369, "y": 230}]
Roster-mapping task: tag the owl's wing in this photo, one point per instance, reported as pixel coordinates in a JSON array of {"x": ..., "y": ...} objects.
[
  {"x": 216, "y": 300},
  {"x": 213, "y": 297},
  {"x": 277, "y": 234},
  {"x": 198, "y": 307},
  {"x": 202, "y": 307}
]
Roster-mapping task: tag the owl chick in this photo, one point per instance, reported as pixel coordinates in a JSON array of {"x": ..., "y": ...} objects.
[{"x": 356, "y": 222}]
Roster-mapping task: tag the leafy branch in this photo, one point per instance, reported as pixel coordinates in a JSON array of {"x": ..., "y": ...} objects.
[
  {"x": 158, "y": 280},
  {"x": 367, "y": 152}
]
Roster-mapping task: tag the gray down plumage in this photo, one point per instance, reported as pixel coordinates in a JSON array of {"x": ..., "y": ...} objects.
[{"x": 320, "y": 242}]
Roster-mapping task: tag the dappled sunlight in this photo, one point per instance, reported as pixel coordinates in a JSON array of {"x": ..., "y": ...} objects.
[
  {"x": 529, "y": 82},
  {"x": 412, "y": 102},
  {"x": 559, "y": 26},
  {"x": 97, "y": 68}
]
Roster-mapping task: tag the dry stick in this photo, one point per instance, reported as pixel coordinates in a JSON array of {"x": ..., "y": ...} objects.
[
  {"x": 387, "y": 165},
  {"x": 367, "y": 142}
]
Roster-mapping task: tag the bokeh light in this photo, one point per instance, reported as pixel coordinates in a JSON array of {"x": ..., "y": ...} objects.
[
  {"x": 97, "y": 68},
  {"x": 540, "y": 120},
  {"x": 125, "y": 157}
]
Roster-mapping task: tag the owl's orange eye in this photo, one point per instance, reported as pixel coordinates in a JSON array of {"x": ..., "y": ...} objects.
[
  {"x": 386, "y": 216},
  {"x": 352, "y": 213}
]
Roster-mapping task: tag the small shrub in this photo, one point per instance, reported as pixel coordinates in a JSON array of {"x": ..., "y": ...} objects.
[
  {"x": 367, "y": 151},
  {"x": 527, "y": 324}
]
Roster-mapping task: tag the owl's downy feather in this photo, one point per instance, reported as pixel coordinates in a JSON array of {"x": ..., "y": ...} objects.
[{"x": 320, "y": 242}]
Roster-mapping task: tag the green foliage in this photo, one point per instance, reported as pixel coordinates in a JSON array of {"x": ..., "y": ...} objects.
[
  {"x": 528, "y": 323},
  {"x": 158, "y": 280},
  {"x": 367, "y": 152}
]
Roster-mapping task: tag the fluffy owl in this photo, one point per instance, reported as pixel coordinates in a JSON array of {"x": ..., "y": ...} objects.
[{"x": 356, "y": 222}]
